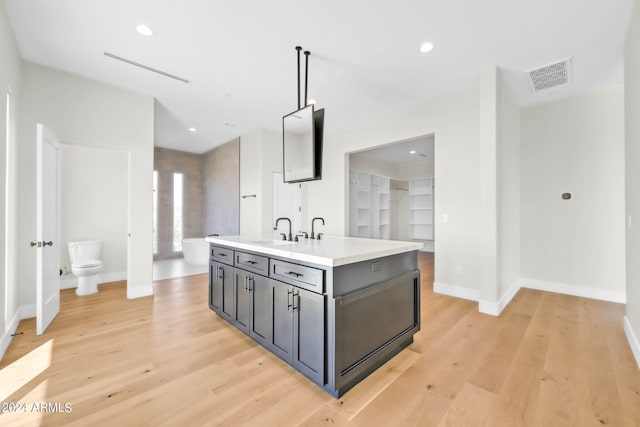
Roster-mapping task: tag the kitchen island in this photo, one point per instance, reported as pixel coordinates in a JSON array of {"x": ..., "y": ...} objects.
[{"x": 335, "y": 309}]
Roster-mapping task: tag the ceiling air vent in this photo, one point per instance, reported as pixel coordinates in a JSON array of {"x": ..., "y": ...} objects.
[{"x": 550, "y": 76}]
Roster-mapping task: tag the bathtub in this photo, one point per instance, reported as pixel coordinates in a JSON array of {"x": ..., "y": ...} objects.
[{"x": 196, "y": 251}]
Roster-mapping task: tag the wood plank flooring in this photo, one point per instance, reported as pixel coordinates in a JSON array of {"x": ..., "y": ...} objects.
[{"x": 167, "y": 360}]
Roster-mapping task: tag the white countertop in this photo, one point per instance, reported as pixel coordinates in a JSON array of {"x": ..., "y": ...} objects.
[{"x": 330, "y": 251}]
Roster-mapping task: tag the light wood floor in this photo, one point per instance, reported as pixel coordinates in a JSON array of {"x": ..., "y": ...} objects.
[{"x": 548, "y": 360}]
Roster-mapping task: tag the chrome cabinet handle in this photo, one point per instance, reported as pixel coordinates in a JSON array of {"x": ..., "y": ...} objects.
[
  {"x": 294, "y": 301},
  {"x": 289, "y": 303}
]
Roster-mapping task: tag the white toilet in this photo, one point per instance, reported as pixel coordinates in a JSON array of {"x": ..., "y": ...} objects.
[{"x": 86, "y": 264}]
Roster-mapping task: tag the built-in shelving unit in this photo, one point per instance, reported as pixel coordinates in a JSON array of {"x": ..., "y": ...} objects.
[
  {"x": 421, "y": 208},
  {"x": 369, "y": 205}
]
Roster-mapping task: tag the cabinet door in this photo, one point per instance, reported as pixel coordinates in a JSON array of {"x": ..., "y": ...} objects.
[
  {"x": 227, "y": 309},
  {"x": 242, "y": 309},
  {"x": 215, "y": 286},
  {"x": 280, "y": 319},
  {"x": 259, "y": 290},
  {"x": 308, "y": 334}
]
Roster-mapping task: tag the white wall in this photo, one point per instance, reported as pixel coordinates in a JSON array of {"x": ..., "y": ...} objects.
[
  {"x": 488, "y": 176},
  {"x": 260, "y": 156},
  {"x": 250, "y": 175},
  {"x": 400, "y": 214},
  {"x": 372, "y": 166},
  {"x": 508, "y": 188},
  {"x": 87, "y": 112},
  {"x": 271, "y": 162},
  {"x": 632, "y": 156},
  {"x": 414, "y": 170},
  {"x": 404, "y": 171},
  {"x": 575, "y": 145},
  {"x": 10, "y": 80},
  {"x": 454, "y": 119},
  {"x": 93, "y": 204}
]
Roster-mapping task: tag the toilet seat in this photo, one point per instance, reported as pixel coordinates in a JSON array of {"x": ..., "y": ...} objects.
[{"x": 89, "y": 263}]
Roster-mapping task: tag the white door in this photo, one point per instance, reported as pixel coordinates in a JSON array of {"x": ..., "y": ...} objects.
[{"x": 47, "y": 244}]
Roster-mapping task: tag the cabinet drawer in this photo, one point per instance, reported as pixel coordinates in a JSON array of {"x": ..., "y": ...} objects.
[
  {"x": 222, "y": 254},
  {"x": 298, "y": 275},
  {"x": 255, "y": 263}
]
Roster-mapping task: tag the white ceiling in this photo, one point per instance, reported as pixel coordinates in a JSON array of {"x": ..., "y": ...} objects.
[
  {"x": 240, "y": 58},
  {"x": 400, "y": 153}
]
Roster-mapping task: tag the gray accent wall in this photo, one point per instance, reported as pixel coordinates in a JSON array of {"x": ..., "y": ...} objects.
[
  {"x": 221, "y": 177},
  {"x": 166, "y": 162}
]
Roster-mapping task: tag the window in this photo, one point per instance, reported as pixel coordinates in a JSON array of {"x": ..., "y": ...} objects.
[
  {"x": 177, "y": 212},
  {"x": 155, "y": 212}
]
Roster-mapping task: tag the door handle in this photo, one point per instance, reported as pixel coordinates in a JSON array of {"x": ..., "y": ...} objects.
[
  {"x": 289, "y": 302},
  {"x": 246, "y": 284},
  {"x": 49, "y": 243},
  {"x": 294, "y": 301},
  {"x": 250, "y": 287}
]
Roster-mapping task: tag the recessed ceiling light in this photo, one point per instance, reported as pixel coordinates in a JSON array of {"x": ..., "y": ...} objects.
[
  {"x": 144, "y": 30},
  {"x": 312, "y": 101},
  {"x": 412, "y": 152},
  {"x": 192, "y": 129},
  {"x": 426, "y": 47}
]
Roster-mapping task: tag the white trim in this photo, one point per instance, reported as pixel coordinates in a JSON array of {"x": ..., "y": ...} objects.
[
  {"x": 23, "y": 312},
  {"x": 456, "y": 291},
  {"x": 633, "y": 340},
  {"x": 139, "y": 291},
  {"x": 578, "y": 291},
  {"x": 495, "y": 308},
  {"x": 70, "y": 281},
  {"x": 489, "y": 307},
  {"x": 6, "y": 338}
]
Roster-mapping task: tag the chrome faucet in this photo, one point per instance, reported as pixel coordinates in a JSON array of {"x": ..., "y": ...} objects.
[
  {"x": 312, "y": 224},
  {"x": 289, "y": 221}
]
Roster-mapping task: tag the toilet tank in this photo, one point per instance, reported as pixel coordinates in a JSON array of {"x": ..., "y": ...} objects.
[{"x": 84, "y": 250}]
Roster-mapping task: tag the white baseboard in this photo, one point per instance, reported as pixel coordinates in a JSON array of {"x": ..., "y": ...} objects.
[
  {"x": 578, "y": 291},
  {"x": 633, "y": 340},
  {"x": 495, "y": 308},
  {"x": 6, "y": 338},
  {"x": 24, "y": 312},
  {"x": 70, "y": 281},
  {"x": 456, "y": 291},
  {"x": 139, "y": 291}
]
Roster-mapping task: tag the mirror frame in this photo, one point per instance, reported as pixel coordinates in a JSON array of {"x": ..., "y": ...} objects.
[{"x": 316, "y": 149}]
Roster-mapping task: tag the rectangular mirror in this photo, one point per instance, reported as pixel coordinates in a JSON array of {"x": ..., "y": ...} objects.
[{"x": 300, "y": 145}]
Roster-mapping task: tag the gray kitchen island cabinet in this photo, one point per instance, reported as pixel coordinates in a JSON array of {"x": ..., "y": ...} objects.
[
  {"x": 297, "y": 320},
  {"x": 335, "y": 310}
]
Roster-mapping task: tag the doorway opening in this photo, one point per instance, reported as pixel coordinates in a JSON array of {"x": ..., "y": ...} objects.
[{"x": 391, "y": 192}]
